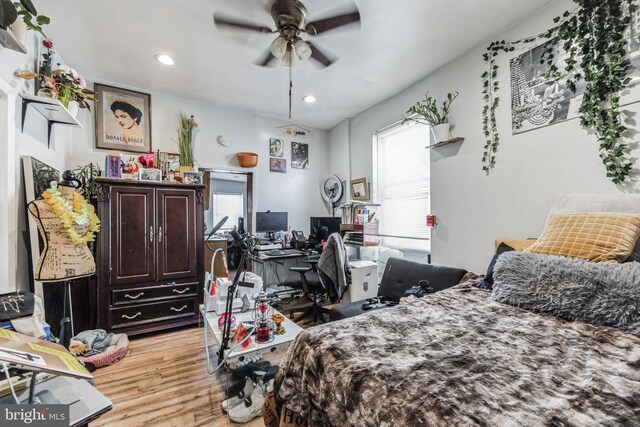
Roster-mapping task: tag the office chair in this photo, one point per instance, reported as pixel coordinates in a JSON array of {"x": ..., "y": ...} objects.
[{"x": 329, "y": 274}]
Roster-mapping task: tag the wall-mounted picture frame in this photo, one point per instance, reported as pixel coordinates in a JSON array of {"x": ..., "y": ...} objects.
[
  {"x": 276, "y": 147},
  {"x": 147, "y": 174},
  {"x": 299, "y": 155},
  {"x": 278, "y": 165},
  {"x": 123, "y": 119},
  {"x": 360, "y": 189},
  {"x": 192, "y": 177}
]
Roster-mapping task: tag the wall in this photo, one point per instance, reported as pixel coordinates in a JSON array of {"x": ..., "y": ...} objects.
[
  {"x": 296, "y": 191},
  {"x": 532, "y": 168},
  {"x": 14, "y": 273}
]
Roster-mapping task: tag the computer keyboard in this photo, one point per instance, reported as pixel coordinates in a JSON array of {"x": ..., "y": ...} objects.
[{"x": 283, "y": 252}]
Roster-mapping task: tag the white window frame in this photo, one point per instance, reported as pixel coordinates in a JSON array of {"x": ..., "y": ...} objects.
[
  {"x": 398, "y": 242},
  {"x": 229, "y": 224}
]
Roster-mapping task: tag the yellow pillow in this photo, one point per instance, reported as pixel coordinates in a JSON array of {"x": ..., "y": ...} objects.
[{"x": 597, "y": 237}]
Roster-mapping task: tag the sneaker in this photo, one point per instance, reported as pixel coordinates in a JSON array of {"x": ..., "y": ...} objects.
[
  {"x": 249, "y": 370},
  {"x": 249, "y": 408},
  {"x": 237, "y": 393}
]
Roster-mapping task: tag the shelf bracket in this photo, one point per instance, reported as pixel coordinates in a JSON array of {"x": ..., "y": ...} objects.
[{"x": 25, "y": 104}]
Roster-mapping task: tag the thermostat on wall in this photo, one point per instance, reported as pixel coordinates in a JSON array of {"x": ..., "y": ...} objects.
[{"x": 224, "y": 141}]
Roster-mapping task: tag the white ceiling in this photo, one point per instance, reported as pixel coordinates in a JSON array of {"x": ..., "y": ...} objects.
[{"x": 398, "y": 43}]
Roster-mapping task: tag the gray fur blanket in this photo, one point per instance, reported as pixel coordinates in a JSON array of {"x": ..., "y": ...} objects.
[
  {"x": 457, "y": 358},
  {"x": 605, "y": 294}
]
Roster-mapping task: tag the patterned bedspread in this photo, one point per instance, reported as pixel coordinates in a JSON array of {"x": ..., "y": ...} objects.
[{"x": 457, "y": 358}]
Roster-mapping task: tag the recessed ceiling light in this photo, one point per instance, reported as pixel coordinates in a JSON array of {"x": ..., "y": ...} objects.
[
  {"x": 164, "y": 59},
  {"x": 309, "y": 98}
]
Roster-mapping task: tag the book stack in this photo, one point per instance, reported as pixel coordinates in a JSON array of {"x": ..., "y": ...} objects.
[{"x": 358, "y": 213}]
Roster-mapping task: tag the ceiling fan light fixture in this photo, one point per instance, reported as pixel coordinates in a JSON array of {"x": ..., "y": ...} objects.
[
  {"x": 287, "y": 59},
  {"x": 279, "y": 47},
  {"x": 302, "y": 50},
  {"x": 309, "y": 99}
]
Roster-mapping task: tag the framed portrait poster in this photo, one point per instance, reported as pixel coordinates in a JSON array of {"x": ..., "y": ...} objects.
[
  {"x": 299, "y": 155},
  {"x": 276, "y": 147},
  {"x": 123, "y": 119}
]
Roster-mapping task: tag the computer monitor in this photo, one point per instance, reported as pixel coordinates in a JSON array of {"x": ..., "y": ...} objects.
[
  {"x": 271, "y": 221},
  {"x": 332, "y": 223}
]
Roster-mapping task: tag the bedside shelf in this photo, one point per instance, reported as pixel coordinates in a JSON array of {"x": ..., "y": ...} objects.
[
  {"x": 8, "y": 40},
  {"x": 448, "y": 141},
  {"x": 369, "y": 232},
  {"x": 50, "y": 109}
]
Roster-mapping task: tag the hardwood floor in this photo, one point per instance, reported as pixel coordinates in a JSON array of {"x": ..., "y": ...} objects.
[{"x": 163, "y": 381}]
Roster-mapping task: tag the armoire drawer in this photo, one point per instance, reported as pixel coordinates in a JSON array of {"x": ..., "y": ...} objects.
[
  {"x": 141, "y": 313},
  {"x": 153, "y": 293}
]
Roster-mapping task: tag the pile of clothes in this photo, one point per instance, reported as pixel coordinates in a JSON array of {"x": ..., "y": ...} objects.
[{"x": 99, "y": 347}]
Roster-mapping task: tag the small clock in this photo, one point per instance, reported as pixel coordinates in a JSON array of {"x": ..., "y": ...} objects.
[{"x": 224, "y": 141}]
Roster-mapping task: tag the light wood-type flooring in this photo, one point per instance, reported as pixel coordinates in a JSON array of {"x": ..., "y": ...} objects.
[{"x": 163, "y": 381}]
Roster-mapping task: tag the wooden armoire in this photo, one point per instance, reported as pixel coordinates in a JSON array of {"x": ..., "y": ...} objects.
[{"x": 150, "y": 265}]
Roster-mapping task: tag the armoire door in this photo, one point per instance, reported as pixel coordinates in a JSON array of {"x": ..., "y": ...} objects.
[
  {"x": 133, "y": 253},
  {"x": 177, "y": 234}
]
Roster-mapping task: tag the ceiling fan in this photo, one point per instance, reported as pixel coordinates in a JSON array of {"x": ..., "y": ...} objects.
[{"x": 290, "y": 18}]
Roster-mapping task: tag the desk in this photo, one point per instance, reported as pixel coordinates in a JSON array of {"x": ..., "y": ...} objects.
[
  {"x": 268, "y": 261},
  {"x": 255, "y": 352},
  {"x": 85, "y": 402}
]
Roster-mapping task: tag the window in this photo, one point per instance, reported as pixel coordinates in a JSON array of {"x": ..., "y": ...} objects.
[
  {"x": 231, "y": 205},
  {"x": 402, "y": 185}
]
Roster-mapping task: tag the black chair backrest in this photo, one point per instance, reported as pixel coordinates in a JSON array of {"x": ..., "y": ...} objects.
[{"x": 401, "y": 274}]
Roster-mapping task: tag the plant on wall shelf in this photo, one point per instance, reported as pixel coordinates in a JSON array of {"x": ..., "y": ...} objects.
[
  {"x": 426, "y": 112},
  {"x": 27, "y": 11},
  {"x": 593, "y": 37},
  {"x": 185, "y": 139}
]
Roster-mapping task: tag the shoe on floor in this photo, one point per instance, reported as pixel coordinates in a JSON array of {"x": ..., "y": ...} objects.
[
  {"x": 249, "y": 408},
  {"x": 237, "y": 393},
  {"x": 249, "y": 370}
]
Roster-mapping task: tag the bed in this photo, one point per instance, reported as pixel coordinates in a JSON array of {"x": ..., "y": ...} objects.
[{"x": 459, "y": 358}]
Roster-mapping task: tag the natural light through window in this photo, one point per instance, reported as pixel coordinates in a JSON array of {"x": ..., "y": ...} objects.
[
  {"x": 231, "y": 205},
  {"x": 402, "y": 186}
]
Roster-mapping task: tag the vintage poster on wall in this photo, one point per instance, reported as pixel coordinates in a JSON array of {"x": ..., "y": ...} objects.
[
  {"x": 123, "y": 119},
  {"x": 299, "y": 155},
  {"x": 276, "y": 147},
  {"x": 537, "y": 102}
]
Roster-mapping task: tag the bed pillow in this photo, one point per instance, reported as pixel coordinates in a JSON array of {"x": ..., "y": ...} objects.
[
  {"x": 605, "y": 294},
  {"x": 620, "y": 203},
  {"x": 594, "y": 236},
  {"x": 487, "y": 281}
]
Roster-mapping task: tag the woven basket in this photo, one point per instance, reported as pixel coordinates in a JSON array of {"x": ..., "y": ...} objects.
[{"x": 247, "y": 160}]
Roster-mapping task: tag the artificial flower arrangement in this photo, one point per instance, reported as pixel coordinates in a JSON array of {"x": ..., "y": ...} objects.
[
  {"x": 76, "y": 212},
  {"x": 64, "y": 83},
  {"x": 147, "y": 160}
]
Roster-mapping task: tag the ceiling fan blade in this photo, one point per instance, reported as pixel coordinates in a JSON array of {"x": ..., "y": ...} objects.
[
  {"x": 229, "y": 22},
  {"x": 267, "y": 60},
  {"x": 319, "y": 56},
  {"x": 322, "y": 25}
]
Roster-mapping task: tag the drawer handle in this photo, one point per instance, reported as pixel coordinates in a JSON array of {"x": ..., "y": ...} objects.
[
  {"x": 178, "y": 309},
  {"x": 134, "y": 296},
  {"x": 124, "y": 316},
  {"x": 151, "y": 234},
  {"x": 180, "y": 292}
]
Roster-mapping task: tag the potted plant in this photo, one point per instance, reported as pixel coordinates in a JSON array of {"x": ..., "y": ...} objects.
[
  {"x": 64, "y": 84},
  {"x": 28, "y": 18},
  {"x": 185, "y": 142},
  {"x": 426, "y": 112}
]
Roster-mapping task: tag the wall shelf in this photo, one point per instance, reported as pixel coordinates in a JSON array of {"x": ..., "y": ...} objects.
[
  {"x": 448, "y": 141},
  {"x": 8, "y": 40},
  {"x": 50, "y": 109}
]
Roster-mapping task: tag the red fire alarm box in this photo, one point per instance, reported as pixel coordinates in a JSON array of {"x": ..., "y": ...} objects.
[{"x": 431, "y": 221}]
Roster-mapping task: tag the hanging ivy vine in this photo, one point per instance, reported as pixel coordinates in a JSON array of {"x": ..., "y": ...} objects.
[{"x": 594, "y": 40}]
